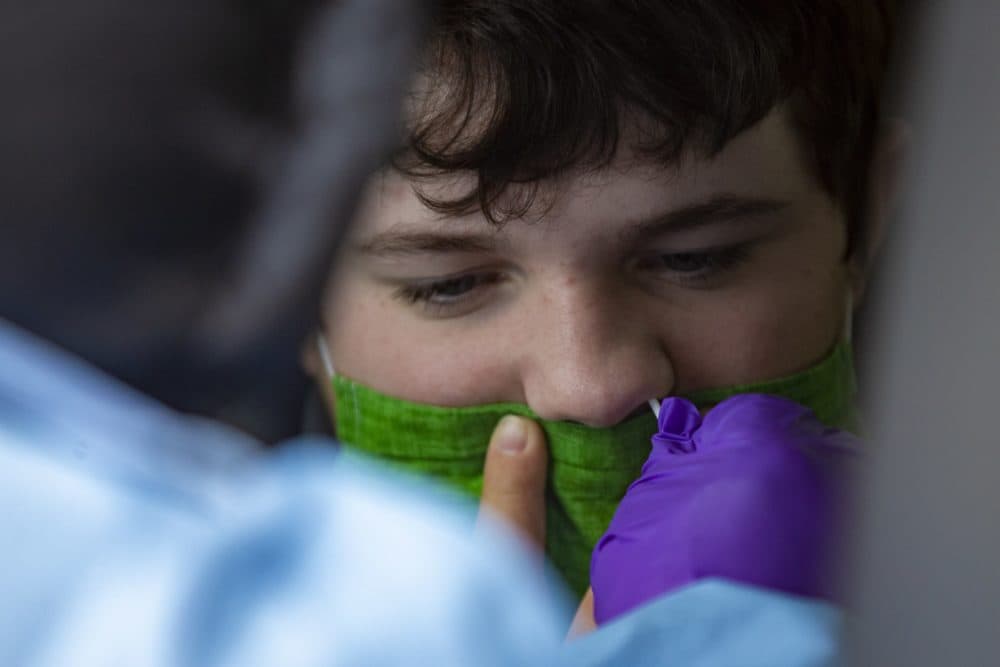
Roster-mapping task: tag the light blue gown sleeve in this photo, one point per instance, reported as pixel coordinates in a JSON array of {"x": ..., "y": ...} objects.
[
  {"x": 309, "y": 559},
  {"x": 715, "y": 623}
]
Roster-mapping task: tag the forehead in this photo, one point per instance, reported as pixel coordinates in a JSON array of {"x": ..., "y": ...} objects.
[{"x": 765, "y": 160}]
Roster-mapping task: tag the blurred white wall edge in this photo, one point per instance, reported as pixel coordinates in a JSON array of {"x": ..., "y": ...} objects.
[{"x": 925, "y": 582}]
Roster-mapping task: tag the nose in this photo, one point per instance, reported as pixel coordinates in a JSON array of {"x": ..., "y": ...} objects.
[{"x": 594, "y": 359}]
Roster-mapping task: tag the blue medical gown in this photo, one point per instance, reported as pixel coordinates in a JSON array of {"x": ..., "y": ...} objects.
[
  {"x": 130, "y": 535},
  {"x": 715, "y": 623}
]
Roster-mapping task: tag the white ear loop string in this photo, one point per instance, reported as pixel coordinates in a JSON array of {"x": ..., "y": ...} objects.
[{"x": 324, "y": 355}]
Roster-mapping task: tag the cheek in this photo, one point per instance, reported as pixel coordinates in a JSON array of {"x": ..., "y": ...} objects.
[
  {"x": 783, "y": 316},
  {"x": 379, "y": 342},
  {"x": 766, "y": 330}
]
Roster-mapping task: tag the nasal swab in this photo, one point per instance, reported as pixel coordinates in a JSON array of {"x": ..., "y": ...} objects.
[{"x": 655, "y": 405}]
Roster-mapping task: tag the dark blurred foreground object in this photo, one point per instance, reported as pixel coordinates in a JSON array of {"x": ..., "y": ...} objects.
[
  {"x": 137, "y": 139},
  {"x": 137, "y": 142},
  {"x": 926, "y": 584}
]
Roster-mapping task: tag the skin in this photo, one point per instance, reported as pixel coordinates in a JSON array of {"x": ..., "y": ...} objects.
[{"x": 617, "y": 291}]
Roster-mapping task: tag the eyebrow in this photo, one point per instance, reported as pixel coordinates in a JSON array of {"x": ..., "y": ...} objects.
[
  {"x": 410, "y": 243},
  {"x": 714, "y": 210}
]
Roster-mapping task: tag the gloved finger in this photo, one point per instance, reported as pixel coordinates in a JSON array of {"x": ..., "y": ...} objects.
[
  {"x": 583, "y": 621},
  {"x": 514, "y": 478}
]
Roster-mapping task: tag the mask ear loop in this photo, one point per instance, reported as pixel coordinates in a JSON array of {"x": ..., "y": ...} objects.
[{"x": 324, "y": 356}]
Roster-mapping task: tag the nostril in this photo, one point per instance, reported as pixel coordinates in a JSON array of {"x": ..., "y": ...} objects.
[
  {"x": 599, "y": 386},
  {"x": 593, "y": 404},
  {"x": 606, "y": 418}
]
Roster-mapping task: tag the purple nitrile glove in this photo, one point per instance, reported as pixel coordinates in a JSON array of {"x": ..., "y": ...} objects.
[{"x": 751, "y": 493}]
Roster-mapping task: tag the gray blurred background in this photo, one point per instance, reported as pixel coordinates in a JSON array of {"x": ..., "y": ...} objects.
[{"x": 926, "y": 568}]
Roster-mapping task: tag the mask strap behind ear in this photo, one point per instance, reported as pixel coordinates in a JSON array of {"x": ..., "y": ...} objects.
[{"x": 324, "y": 355}]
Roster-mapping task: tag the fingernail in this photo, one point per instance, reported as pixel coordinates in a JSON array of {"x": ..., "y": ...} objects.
[{"x": 511, "y": 435}]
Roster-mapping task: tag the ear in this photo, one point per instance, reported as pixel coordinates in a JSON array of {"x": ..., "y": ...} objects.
[
  {"x": 309, "y": 357},
  {"x": 886, "y": 165}
]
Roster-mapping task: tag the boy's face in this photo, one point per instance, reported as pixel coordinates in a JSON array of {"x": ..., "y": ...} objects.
[{"x": 633, "y": 283}]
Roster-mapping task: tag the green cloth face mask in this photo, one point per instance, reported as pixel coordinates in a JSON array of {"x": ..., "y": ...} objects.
[{"x": 589, "y": 469}]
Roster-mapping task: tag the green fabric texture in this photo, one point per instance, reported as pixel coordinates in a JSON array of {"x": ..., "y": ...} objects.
[{"x": 589, "y": 470}]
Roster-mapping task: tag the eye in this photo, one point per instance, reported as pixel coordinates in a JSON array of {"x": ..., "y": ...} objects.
[
  {"x": 443, "y": 290},
  {"x": 687, "y": 262},
  {"x": 445, "y": 295},
  {"x": 696, "y": 267}
]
